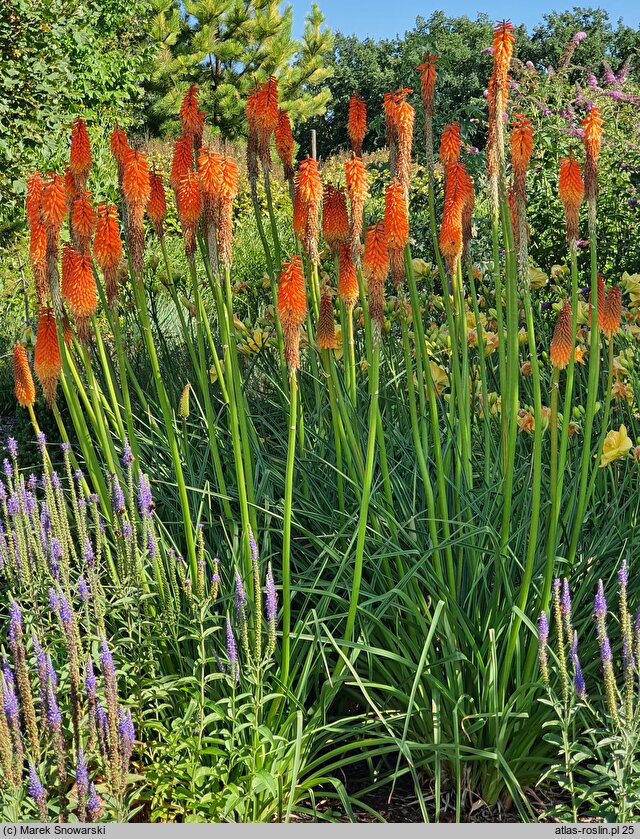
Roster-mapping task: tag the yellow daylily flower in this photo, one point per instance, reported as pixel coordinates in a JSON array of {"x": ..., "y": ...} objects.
[
  {"x": 617, "y": 444},
  {"x": 537, "y": 278},
  {"x": 439, "y": 376},
  {"x": 631, "y": 282}
]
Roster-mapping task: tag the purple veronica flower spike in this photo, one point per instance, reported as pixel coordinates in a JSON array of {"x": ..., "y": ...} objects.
[{"x": 600, "y": 603}]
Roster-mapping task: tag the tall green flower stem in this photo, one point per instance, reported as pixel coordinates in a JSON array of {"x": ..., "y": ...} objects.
[
  {"x": 422, "y": 464},
  {"x": 605, "y": 423},
  {"x": 351, "y": 350},
  {"x": 338, "y": 433},
  {"x": 482, "y": 364},
  {"x": 202, "y": 372},
  {"x": 592, "y": 394},
  {"x": 286, "y": 528},
  {"x": 271, "y": 269},
  {"x": 431, "y": 397},
  {"x": 141, "y": 303},
  {"x": 242, "y": 412},
  {"x": 536, "y": 499},
  {"x": 510, "y": 405},
  {"x": 374, "y": 380},
  {"x": 109, "y": 379}
]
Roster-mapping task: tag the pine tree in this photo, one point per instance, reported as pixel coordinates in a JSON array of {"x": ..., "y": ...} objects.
[{"x": 226, "y": 47}]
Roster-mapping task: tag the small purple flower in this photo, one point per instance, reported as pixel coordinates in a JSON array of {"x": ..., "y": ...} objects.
[
  {"x": 64, "y": 610},
  {"x": 82, "y": 775},
  {"x": 15, "y": 621},
  {"x": 591, "y": 80},
  {"x": 90, "y": 683},
  {"x": 565, "y": 602},
  {"x": 65, "y": 447},
  {"x": 145, "y": 499},
  {"x": 93, "y": 803},
  {"x": 13, "y": 504},
  {"x": 241, "y": 598},
  {"x": 12, "y": 447},
  {"x": 108, "y": 667},
  {"x": 83, "y": 589},
  {"x": 543, "y": 629},
  {"x": 117, "y": 496},
  {"x": 623, "y": 574},
  {"x": 93, "y": 499},
  {"x": 54, "y": 717},
  {"x": 600, "y": 603},
  {"x": 127, "y": 530},
  {"x": 609, "y": 75},
  {"x": 254, "y": 548},
  {"x": 578, "y": 676},
  {"x": 7, "y": 468},
  {"x": 605, "y": 650},
  {"x": 89, "y": 553},
  {"x": 78, "y": 475},
  {"x": 127, "y": 455},
  {"x": 36, "y": 790},
  {"x": 41, "y": 440},
  {"x": 152, "y": 547},
  {"x": 126, "y": 731},
  {"x": 55, "y": 481},
  {"x": 54, "y": 602},
  {"x": 232, "y": 652}
]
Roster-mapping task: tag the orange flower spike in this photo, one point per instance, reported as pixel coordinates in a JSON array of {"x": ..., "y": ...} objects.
[
  {"x": 284, "y": 143},
  {"x": 82, "y": 294},
  {"x": 53, "y": 204},
  {"x": 570, "y": 183},
  {"x": 25, "y": 389},
  {"x": 357, "y": 180},
  {"x": 357, "y": 122},
  {"x": 450, "y": 144},
  {"x": 70, "y": 266},
  {"x": 191, "y": 117},
  {"x": 189, "y": 210},
  {"x": 612, "y": 313},
  {"x": 428, "y": 75},
  {"x": 396, "y": 221},
  {"x": 521, "y": 145},
  {"x": 157, "y": 205},
  {"x": 602, "y": 302},
  {"x": 309, "y": 183},
  {"x": 34, "y": 193},
  {"x": 47, "y": 363},
  {"x": 592, "y": 126},
  {"x": 348, "y": 290},
  {"x": 292, "y": 309},
  {"x": 335, "y": 219},
  {"x": 182, "y": 161},
  {"x": 119, "y": 146},
  {"x": 135, "y": 181},
  {"x": 107, "y": 247},
  {"x": 266, "y": 112},
  {"x": 83, "y": 218},
  {"x": 562, "y": 341},
  {"x": 80, "y": 153},
  {"x": 375, "y": 262},
  {"x": 503, "y": 39},
  {"x": 189, "y": 200},
  {"x": 229, "y": 182},
  {"x": 37, "y": 244},
  {"x": 326, "y": 332},
  {"x": 210, "y": 170},
  {"x": 571, "y": 192},
  {"x": 228, "y": 192}
]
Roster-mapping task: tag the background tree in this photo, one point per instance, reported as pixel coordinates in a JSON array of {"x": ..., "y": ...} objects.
[
  {"x": 61, "y": 58},
  {"x": 226, "y": 47}
]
